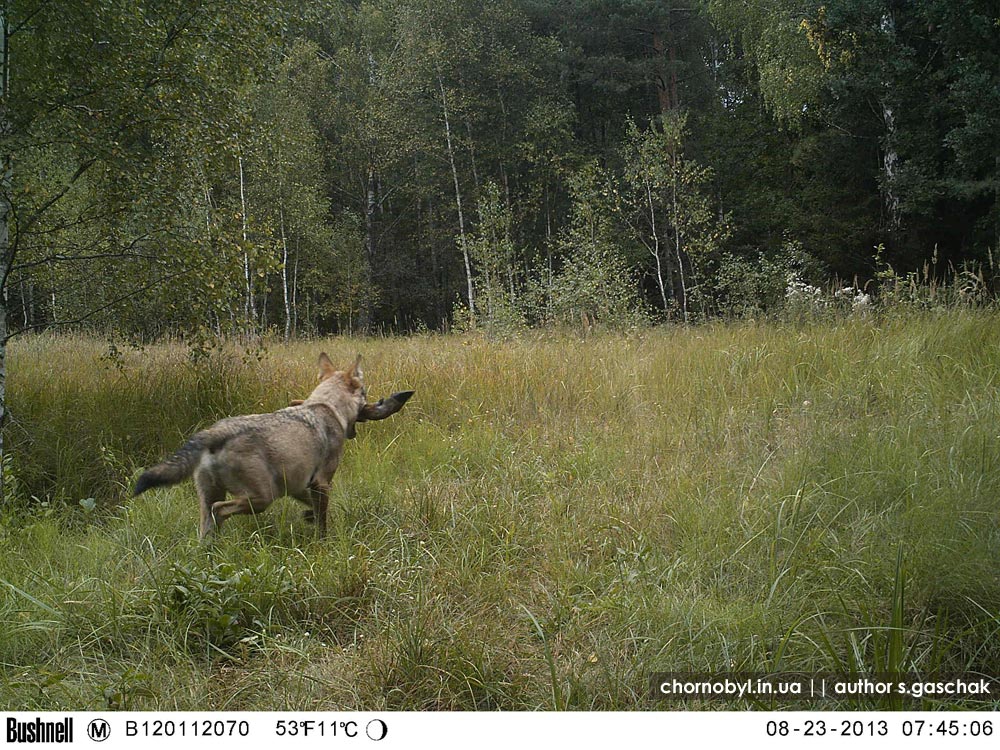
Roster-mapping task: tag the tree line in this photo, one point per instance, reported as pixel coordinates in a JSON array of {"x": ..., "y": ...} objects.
[{"x": 398, "y": 165}]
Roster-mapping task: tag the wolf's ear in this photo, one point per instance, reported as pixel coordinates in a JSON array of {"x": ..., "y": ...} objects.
[
  {"x": 326, "y": 368},
  {"x": 355, "y": 371}
]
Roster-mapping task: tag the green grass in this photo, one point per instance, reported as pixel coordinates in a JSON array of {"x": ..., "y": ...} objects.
[{"x": 546, "y": 523}]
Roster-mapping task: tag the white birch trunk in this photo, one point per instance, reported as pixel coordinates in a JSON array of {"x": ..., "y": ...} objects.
[
  {"x": 24, "y": 302},
  {"x": 365, "y": 312},
  {"x": 890, "y": 158},
  {"x": 249, "y": 305},
  {"x": 472, "y": 156},
  {"x": 458, "y": 203},
  {"x": 284, "y": 274},
  {"x": 890, "y": 164},
  {"x": 656, "y": 245},
  {"x": 677, "y": 247},
  {"x": 295, "y": 292}
]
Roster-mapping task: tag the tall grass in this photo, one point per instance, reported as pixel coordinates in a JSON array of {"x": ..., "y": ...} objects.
[{"x": 546, "y": 523}]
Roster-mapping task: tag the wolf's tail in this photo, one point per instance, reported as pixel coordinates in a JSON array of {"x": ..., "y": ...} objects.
[{"x": 175, "y": 469}]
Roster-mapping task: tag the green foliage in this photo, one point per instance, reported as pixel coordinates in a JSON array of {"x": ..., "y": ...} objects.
[
  {"x": 932, "y": 287},
  {"x": 126, "y": 689},
  {"x": 667, "y": 207},
  {"x": 117, "y": 112},
  {"x": 498, "y": 278},
  {"x": 748, "y": 288},
  {"x": 342, "y": 167},
  {"x": 588, "y": 289},
  {"x": 336, "y": 282},
  {"x": 772, "y": 283},
  {"x": 781, "y": 46},
  {"x": 223, "y": 605}
]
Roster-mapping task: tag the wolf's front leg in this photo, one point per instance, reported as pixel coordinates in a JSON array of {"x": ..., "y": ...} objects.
[{"x": 319, "y": 495}]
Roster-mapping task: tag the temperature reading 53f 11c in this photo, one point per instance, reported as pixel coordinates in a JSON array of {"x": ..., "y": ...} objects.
[{"x": 310, "y": 728}]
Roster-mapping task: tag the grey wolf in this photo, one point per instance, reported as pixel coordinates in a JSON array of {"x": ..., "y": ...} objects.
[{"x": 258, "y": 458}]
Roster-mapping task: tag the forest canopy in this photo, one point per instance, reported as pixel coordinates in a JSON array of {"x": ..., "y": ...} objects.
[{"x": 397, "y": 165}]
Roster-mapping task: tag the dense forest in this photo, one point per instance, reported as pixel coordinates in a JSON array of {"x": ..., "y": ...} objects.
[{"x": 399, "y": 165}]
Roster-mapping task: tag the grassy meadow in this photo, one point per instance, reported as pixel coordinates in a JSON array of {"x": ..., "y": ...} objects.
[{"x": 547, "y": 522}]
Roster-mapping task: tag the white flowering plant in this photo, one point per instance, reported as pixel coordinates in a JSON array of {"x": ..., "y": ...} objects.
[{"x": 804, "y": 299}]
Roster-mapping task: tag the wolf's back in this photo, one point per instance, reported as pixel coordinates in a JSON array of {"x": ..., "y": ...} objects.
[{"x": 175, "y": 469}]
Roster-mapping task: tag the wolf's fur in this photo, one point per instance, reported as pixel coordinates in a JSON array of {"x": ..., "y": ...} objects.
[{"x": 260, "y": 457}]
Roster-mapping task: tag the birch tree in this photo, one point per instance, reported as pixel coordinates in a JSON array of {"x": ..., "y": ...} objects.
[
  {"x": 287, "y": 182},
  {"x": 97, "y": 104},
  {"x": 665, "y": 201}
]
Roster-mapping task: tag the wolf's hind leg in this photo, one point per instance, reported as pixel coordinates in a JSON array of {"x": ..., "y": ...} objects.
[
  {"x": 209, "y": 494},
  {"x": 239, "y": 506},
  {"x": 251, "y": 494}
]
